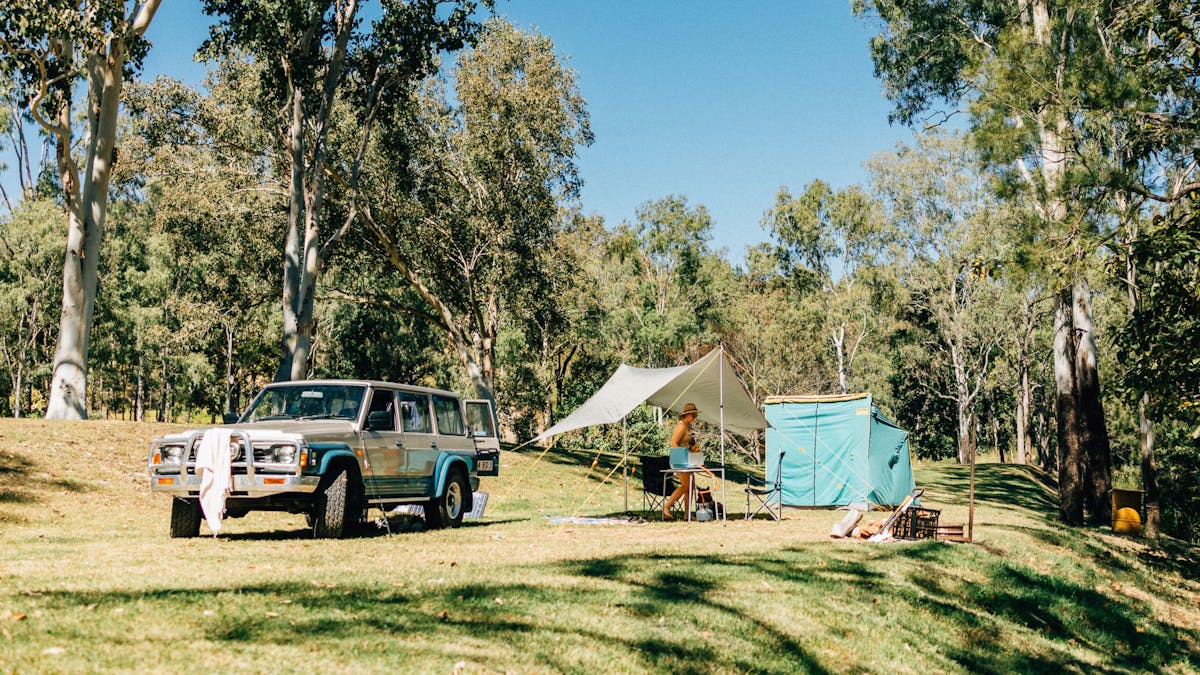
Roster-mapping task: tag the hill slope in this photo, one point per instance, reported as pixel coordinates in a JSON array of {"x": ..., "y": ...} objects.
[{"x": 89, "y": 580}]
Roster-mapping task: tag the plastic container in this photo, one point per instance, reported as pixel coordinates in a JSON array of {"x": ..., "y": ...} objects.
[
  {"x": 681, "y": 458},
  {"x": 1127, "y": 511}
]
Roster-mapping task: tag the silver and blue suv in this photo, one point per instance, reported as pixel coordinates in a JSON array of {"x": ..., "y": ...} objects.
[{"x": 330, "y": 449}]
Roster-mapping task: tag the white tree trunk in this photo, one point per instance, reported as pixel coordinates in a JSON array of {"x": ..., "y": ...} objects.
[
  {"x": 1024, "y": 400},
  {"x": 838, "y": 339},
  {"x": 86, "y": 206}
]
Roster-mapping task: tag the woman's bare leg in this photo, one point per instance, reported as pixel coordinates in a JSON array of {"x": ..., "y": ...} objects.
[{"x": 685, "y": 491}]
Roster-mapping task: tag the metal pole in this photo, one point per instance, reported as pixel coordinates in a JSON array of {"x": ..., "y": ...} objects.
[
  {"x": 721, "y": 387},
  {"x": 625, "y": 459}
]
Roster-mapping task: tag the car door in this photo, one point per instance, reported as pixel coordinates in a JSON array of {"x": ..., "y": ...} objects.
[
  {"x": 481, "y": 420},
  {"x": 383, "y": 444},
  {"x": 421, "y": 448},
  {"x": 451, "y": 429}
]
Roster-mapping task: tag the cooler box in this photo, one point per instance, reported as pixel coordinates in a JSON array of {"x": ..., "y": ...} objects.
[{"x": 681, "y": 458}]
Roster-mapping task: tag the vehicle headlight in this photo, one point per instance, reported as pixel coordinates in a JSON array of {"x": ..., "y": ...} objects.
[
  {"x": 283, "y": 454},
  {"x": 170, "y": 454}
]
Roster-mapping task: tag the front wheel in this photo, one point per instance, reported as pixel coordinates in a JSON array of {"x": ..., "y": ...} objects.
[
  {"x": 329, "y": 512},
  {"x": 448, "y": 510},
  {"x": 185, "y": 518}
]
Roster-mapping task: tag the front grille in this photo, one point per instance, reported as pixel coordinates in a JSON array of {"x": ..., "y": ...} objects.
[{"x": 263, "y": 457}]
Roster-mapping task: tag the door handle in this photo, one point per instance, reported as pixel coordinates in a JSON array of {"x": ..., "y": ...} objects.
[
  {"x": 433, "y": 445},
  {"x": 399, "y": 444}
]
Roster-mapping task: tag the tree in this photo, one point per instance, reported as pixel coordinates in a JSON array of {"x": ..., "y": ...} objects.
[
  {"x": 465, "y": 192},
  {"x": 665, "y": 306},
  {"x": 828, "y": 242},
  {"x": 954, "y": 239},
  {"x": 1158, "y": 347},
  {"x": 1030, "y": 71},
  {"x": 27, "y": 239},
  {"x": 553, "y": 341},
  {"x": 48, "y": 46},
  {"x": 314, "y": 59},
  {"x": 198, "y": 161}
]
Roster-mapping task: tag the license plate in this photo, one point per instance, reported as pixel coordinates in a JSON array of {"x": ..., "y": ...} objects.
[{"x": 486, "y": 465}]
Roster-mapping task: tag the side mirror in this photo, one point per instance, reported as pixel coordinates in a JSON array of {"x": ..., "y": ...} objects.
[
  {"x": 379, "y": 419},
  {"x": 231, "y": 418}
]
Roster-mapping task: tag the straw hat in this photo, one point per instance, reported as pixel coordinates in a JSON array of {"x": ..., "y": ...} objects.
[{"x": 689, "y": 409}]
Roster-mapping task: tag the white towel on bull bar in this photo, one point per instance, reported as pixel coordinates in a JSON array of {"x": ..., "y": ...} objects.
[{"x": 212, "y": 464}]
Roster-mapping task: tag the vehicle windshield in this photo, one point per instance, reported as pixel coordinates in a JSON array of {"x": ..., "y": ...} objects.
[{"x": 307, "y": 402}]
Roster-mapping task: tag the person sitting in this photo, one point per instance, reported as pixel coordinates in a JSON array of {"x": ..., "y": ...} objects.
[{"x": 682, "y": 437}]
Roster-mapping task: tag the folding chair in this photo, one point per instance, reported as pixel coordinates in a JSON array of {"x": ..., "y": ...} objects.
[
  {"x": 654, "y": 492},
  {"x": 766, "y": 493}
]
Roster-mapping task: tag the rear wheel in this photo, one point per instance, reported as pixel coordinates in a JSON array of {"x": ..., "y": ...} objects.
[
  {"x": 185, "y": 518},
  {"x": 448, "y": 510}
]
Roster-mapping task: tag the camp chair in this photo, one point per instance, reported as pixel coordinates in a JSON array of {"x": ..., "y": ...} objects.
[
  {"x": 769, "y": 495},
  {"x": 654, "y": 490}
]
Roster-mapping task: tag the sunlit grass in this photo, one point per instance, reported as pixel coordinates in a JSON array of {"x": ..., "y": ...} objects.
[{"x": 89, "y": 580}]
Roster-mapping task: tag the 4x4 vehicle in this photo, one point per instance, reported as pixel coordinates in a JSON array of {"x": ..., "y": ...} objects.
[{"x": 330, "y": 449}]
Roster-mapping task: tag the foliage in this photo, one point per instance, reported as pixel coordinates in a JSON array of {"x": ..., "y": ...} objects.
[
  {"x": 466, "y": 207},
  {"x": 29, "y": 239}
]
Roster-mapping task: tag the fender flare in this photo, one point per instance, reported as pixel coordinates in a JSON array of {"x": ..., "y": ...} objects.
[
  {"x": 333, "y": 452},
  {"x": 446, "y": 462}
]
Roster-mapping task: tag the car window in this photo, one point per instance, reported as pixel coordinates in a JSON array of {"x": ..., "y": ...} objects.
[
  {"x": 381, "y": 415},
  {"x": 449, "y": 416},
  {"x": 480, "y": 418},
  {"x": 414, "y": 413}
]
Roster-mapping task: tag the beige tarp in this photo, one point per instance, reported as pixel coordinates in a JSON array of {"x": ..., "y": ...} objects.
[{"x": 707, "y": 383}]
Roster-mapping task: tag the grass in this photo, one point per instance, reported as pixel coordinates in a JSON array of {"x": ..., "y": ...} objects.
[{"x": 90, "y": 581}]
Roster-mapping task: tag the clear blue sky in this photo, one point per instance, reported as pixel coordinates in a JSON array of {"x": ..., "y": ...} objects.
[{"x": 721, "y": 102}]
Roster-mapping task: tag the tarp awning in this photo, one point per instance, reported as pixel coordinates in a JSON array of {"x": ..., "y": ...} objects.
[{"x": 706, "y": 383}]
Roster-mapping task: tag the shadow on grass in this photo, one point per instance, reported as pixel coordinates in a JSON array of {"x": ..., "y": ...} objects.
[
  {"x": 1001, "y": 485},
  {"x": 24, "y": 482},
  {"x": 1173, "y": 556},
  {"x": 406, "y": 525},
  {"x": 805, "y": 609}
]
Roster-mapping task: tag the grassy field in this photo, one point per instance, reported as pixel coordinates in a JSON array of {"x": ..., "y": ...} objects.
[{"x": 89, "y": 580}]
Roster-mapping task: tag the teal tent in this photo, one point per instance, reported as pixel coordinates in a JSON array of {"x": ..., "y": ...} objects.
[{"x": 838, "y": 450}]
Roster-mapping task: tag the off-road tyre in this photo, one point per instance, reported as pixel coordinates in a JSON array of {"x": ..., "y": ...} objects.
[
  {"x": 330, "y": 509},
  {"x": 185, "y": 518},
  {"x": 448, "y": 510}
]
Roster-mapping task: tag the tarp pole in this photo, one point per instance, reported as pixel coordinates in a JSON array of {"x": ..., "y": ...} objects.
[
  {"x": 721, "y": 389},
  {"x": 625, "y": 455}
]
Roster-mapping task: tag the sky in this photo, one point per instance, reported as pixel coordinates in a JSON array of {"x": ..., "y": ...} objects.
[{"x": 718, "y": 102}]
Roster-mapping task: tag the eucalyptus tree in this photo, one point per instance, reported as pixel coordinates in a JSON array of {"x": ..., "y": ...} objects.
[
  {"x": 553, "y": 341},
  {"x": 1159, "y": 343},
  {"x": 315, "y": 56},
  {"x": 13, "y": 120},
  {"x": 1030, "y": 70},
  {"x": 202, "y": 161},
  {"x": 47, "y": 47},
  {"x": 954, "y": 236},
  {"x": 29, "y": 237},
  {"x": 465, "y": 188},
  {"x": 829, "y": 243},
  {"x": 670, "y": 292}
]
